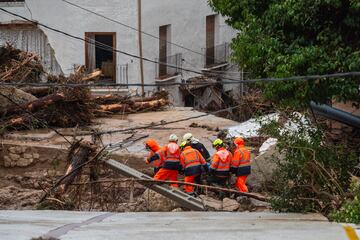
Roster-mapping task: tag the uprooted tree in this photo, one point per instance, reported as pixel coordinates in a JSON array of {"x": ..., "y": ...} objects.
[{"x": 303, "y": 37}]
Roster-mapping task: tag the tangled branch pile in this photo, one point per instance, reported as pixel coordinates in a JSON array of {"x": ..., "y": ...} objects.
[
  {"x": 19, "y": 66},
  {"x": 60, "y": 106}
]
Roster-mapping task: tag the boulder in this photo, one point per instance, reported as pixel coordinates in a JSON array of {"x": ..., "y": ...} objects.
[
  {"x": 156, "y": 202},
  {"x": 230, "y": 205},
  {"x": 212, "y": 203}
]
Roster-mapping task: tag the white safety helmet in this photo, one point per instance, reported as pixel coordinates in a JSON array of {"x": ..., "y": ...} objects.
[
  {"x": 173, "y": 138},
  {"x": 187, "y": 137}
]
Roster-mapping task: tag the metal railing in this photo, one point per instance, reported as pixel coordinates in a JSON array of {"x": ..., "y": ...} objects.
[
  {"x": 216, "y": 55},
  {"x": 164, "y": 70},
  {"x": 122, "y": 74}
]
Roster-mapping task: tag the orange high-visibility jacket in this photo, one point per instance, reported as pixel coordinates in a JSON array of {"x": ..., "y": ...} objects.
[
  {"x": 220, "y": 163},
  {"x": 154, "y": 147},
  {"x": 169, "y": 155},
  {"x": 191, "y": 161},
  {"x": 172, "y": 156},
  {"x": 241, "y": 163}
]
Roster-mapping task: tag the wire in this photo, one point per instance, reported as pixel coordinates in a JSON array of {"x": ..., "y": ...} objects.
[
  {"x": 162, "y": 123},
  {"x": 232, "y": 80},
  {"x": 43, "y": 122},
  {"x": 106, "y": 47},
  {"x": 135, "y": 29},
  {"x": 255, "y": 80}
]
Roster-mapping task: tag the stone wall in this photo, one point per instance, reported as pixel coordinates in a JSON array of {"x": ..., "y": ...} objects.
[{"x": 14, "y": 155}]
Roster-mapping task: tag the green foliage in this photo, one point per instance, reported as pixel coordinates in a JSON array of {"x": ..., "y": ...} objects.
[
  {"x": 312, "y": 173},
  {"x": 297, "y": 37},
  {"x": 350, "y": 210}
]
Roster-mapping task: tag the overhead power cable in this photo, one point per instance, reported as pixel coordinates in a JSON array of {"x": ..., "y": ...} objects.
[
  {"x": 108, "y": 48},
  {"x": 135, "y": 29},
  {"x": 43, "y": 122},
  {"x": 255, "y": 80}
]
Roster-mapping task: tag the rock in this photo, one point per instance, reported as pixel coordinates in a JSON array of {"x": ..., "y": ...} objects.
[
  {"x": 230, "y": 205},
  {"x": 27, "y": 155},
  {"x": 7, "y": 161},
  {"x": 18, "y": 150},
  {"x": 259, "y": 204},
  {"x": 158, "y": 203},
  {"x": 262, "y": 169},
  {"x": 177, "y": 210},
  {"x": 211, "y": 202},
  {"x": 36, "y": 155},
  {"x": 243, "y": 200},
  {"x": 14, "y": 156},
  {"x": 12, "y": 150},
  {"x": 24, "y": 162}
]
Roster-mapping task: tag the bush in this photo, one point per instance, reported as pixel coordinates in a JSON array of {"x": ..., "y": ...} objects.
[
  {"x": 350, "y": 209},
  {"x": 314, "y": 173}
]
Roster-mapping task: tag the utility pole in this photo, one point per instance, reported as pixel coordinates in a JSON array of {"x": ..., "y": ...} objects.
[{"x": 140, "y": 49}]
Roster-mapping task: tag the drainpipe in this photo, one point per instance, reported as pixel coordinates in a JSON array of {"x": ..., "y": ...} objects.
[
  {"x": 336, "y": 114},
  {"x": 140, "y": 48}
]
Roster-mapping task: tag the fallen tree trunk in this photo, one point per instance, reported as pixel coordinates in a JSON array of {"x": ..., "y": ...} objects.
[
  {"x": 78, "y": 155},
  {"x": 37, "y": 104},
  {"x": 150, "y": 104},
  {"x": 114, "y": 108},
  {"x": 11, "y": 96},
  {"x": 92, "y": 76},
  {"x": 134, "y": 107},
  {"x": 110, "y": 98},
  {"x": 37, "y": 91}
]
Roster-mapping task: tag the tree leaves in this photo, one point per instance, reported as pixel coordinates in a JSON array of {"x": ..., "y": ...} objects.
[{"x": 297, "y": 37}]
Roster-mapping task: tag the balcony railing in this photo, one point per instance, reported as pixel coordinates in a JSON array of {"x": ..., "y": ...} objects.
[
  {"x": 168, "y": 66},
  {"x": 122, "y": 74},
  {"x": 216, "y": 55}
]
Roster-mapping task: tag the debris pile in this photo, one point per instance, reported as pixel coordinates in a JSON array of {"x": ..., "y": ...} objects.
[
  {"x": 19, "y": 66},
  {"x": 68, "y": 104}
]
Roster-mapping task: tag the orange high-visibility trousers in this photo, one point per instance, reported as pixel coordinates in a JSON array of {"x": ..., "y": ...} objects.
[
  {"x": 189, "y": 179},
  {"x": 165, "y": 174},
  {"x": 241, "y": 184}
]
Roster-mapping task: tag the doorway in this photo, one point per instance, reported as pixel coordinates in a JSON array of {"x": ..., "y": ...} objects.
[{"x": 99, "y": 54}]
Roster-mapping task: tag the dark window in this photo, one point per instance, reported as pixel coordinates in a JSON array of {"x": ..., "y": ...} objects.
[{"x": 99, "y": 54}]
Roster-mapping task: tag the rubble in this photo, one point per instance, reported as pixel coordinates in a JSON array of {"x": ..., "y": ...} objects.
[
  {"x": 19, "y": 66},
  {"x": 59, "y": 106},
  {"x": 230, "y": 205},
  {"x": 156, "y": 202}
]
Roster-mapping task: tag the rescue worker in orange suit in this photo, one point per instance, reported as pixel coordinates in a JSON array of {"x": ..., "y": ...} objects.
[
  {"x": 152, "y": 146},
  {"x": 169, "y": 155},
  {"x": 196, "y": 144},
  {"x": 193, "y": 165},
  {"x": 241, "y": 164},
  {"x": 220, "y": 164}
]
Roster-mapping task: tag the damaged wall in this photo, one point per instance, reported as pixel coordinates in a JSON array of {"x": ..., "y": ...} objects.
[
  {"x": 186, "y": 17},
  {"x": 32, "y": 40}
]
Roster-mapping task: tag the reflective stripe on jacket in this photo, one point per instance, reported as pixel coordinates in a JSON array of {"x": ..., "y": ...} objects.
[
  {"x": 220, "y": 163},
  {"x": 192, "y": 161},
  {"x": 172, "y": 157},
  {"x": 241, "y": 163}
]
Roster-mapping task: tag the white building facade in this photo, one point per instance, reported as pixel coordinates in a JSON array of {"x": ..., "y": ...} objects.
[{"x": 182, "y": 33}]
